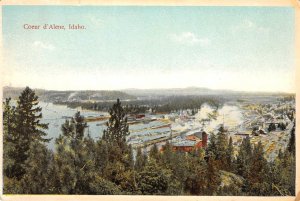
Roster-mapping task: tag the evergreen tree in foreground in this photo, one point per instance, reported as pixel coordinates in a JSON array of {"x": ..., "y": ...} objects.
[
  {"x": 258, "y": 169},
  {"x": 74, "y": 161},
  {"x": 221, "y": 148},
  {"x": 118, "y": 166},
  {"x": 230, "y": 156},
  {"x": 23, "y": 129},
  {"x": 117, "y": 127},
  {"x": 8, "y": 138}
]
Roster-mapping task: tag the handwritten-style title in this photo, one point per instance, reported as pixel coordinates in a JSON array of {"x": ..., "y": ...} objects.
[{"x": 54, "y": 27}]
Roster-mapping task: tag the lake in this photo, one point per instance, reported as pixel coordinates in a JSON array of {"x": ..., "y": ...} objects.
[{"x": 55, "y": 116}]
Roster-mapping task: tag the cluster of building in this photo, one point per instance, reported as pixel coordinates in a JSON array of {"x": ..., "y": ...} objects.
[
  {"x": 187, "y": 133},
  {"x": 191, "y": 142}
]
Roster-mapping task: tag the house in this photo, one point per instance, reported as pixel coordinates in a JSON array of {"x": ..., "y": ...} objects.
[
  {"x": 198, "y": 136},
  {"x": 191, "y": 142},
  {"x": 186, "y": 145}
]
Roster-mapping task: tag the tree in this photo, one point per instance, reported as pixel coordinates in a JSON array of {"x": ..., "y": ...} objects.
[
  {"x": 140, "y": 161},
  {"x": 154, "y": 180},
  {"x": 230, "y": 155},
  {"x": 178, "y": 164},
  {"x": 8, "y": 138},
  {"x": 259, "y": 171},
  {"x": 272, "y": 127},
  {"x": 213, "y": 176},
  {"x": 102, "y": 157},
  {"x": 119, "y": 166},
  {"x": 221, "y": 148},
  {"x": 282, "y": 126},
  {"x": 100, "y": 186},
  {"x": 23, "y": 128},
  {"x": 212, "y": 145},
  {"x": 196, "y": 178},
  {"x": 291, "y": 144},
  {"x": 243, "y": 158},
  {"x": 154, "y": 153},
  {"x": 39, "y": 166},
  {"x": 167, "y": 154},
  {"x": 117, "y": 127},
  {"x": 74, "y": 159},
  {"x": 283, "y": 170}
]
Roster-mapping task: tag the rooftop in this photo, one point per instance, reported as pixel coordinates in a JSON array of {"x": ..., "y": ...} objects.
[{"x": 184, "y": 143}]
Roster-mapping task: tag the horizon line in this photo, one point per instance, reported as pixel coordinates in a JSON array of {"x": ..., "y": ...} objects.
[{"x": 124, "y": 89}]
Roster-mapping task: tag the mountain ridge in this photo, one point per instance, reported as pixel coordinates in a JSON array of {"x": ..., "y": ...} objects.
[{"x": 127, "y": 94}]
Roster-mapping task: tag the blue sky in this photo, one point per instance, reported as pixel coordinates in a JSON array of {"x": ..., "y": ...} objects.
[{"x": 239, "y": 48}]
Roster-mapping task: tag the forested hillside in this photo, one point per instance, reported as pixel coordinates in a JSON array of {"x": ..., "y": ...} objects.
[{"x": 70, "y": 95}]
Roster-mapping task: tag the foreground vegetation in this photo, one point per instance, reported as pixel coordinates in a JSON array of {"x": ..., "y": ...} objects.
[{"x": 81, "y": 165}]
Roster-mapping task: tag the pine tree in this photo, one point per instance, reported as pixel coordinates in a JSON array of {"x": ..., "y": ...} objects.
[
  {"x": 221, "y": 148},
  {"x": 212, "y": 145},
  {"x": 212, "y": 176},
  {"x": 258, "y": 172},
  {"x": 167, "y": 155},
  {"x": 230, "y": 155},
  {"x": 291, "y": 144},
  {"x": 154, "y": 180},
  {"x": 26, "y": 129},
  {"x": 272, "y": 127},
  {"x": 243, "y": 158},
  {"x": 118, "y": 167},
  {"x": 179, "y": 166},
  {"x": 154, "y": 153},
  {"x": 74, "y": 159},
  {"x": 102, "y": 157},
  {"x": 9, "y": 138},
  {"x": 140, "y": 160},
  {"x": 196, "y": 182},
  {"x": 37, "y": 179},
  {"x": 117, "y": 127}
]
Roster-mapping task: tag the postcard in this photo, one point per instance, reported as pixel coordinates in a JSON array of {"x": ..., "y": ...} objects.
[{"x": 116, "y": 101}]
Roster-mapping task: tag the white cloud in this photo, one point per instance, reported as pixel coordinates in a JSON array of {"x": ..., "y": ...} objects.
[
  {"x": 248, "y": 25},
  {"x": 94, "y": 20},
  {"x": 189, "y": 38},
  {"x": 43, "y": 45}
]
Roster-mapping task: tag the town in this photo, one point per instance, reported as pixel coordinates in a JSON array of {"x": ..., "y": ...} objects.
[{"x": 188, "y": 130}]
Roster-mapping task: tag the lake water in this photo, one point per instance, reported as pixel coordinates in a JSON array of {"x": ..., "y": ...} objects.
[{"x": 55, "y": 115}]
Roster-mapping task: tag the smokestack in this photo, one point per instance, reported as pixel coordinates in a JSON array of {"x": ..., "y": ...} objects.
[{"x": 204, "y": 139}]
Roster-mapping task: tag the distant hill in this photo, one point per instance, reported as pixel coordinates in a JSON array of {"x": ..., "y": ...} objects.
[
  {"x": 170, "y": 92},
  {"x": 195, "y": 91},
  {"x": 70, "y": 96},
  {"x": 131, "y": 94}
]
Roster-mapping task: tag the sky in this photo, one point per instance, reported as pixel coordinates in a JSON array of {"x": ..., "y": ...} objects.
[{"x": 236, "y": 48}]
